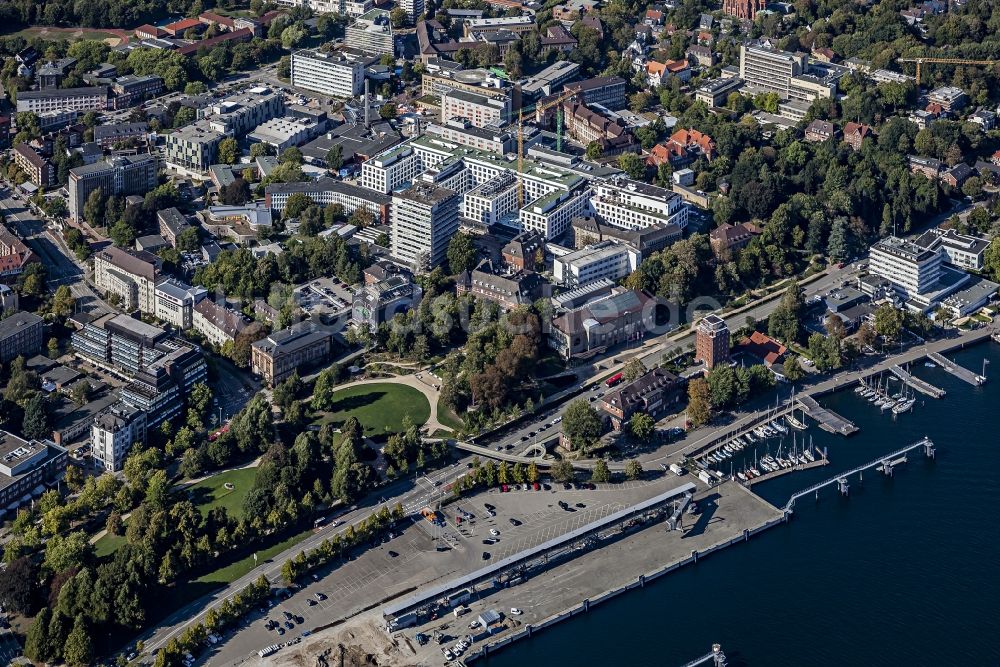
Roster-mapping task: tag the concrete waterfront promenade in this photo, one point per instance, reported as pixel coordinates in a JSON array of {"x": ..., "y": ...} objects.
[{"x": 728, "y": 514}]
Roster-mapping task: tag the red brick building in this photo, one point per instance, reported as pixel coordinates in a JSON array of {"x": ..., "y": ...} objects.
[{"x": 711, "y": 341}]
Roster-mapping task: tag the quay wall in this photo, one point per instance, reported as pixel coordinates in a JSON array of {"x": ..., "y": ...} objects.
[{"x": 489, "y": 647}]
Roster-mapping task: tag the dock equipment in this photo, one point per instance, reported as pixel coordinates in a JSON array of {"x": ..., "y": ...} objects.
[
  {"x": 841, "y": 480},
  {"x": 922, "y": 386},
  {"x": 674, "y": 519},
  {"x": 960, "y": 372},
  {"x": 827, "y": 419}
]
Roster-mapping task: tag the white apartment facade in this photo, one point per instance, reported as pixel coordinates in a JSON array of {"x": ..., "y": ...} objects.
[
  {"x": 174, "y": 302},
  {"x": 345, "y": 7},
  {"x": 491, "y": 203},
  {"x": 766, "y": 69},
  {"x": 327, "y": 73},
  {"x": 114, "y": 432},
  {"x": 551, "y": 214}
]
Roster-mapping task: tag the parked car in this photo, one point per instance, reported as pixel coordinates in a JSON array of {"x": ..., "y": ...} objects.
[
  {"x": 494, "y": 532},
  {"x": 514, "y": 611}
]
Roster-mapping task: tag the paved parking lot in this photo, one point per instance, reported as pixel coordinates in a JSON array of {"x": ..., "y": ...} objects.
[{"x": 427, "y": 553}]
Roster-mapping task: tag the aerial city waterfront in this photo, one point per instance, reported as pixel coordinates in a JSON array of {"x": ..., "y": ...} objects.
[{"x": 441, "y": 332}]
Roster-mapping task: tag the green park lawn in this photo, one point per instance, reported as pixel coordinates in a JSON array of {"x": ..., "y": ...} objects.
[
  {"x": 380, "y": 407},
  {"x": 206, "y": 494},
  {"x": 212, "y": 492}
]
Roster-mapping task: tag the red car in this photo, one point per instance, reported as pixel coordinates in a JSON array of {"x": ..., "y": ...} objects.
[{"x": 536, "y": 486}]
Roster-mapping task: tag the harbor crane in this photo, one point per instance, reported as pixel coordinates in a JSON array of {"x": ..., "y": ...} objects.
[
  {"x": 538, "y": 108},
  {"x": 945, "y": 61}
]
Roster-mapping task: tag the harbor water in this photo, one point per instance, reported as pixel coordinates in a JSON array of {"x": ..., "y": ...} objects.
[{"x": 901, "y": 572}]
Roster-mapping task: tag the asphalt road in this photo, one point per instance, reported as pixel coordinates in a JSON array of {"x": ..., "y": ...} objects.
[
  {"x": 544, "y": 428},
  {"x": 60, "y": 264}
]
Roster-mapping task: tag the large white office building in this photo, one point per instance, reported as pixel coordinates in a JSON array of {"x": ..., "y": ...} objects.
[
  {"x": 606, "y": 259},
  {"x": 334, "y": 74},
  {"x": 633, "y": 205},
  {"x": 481, "y": 110},
  {"x": 344, "y": 7},
  {"x": 912, "y": 269},
  {"x": 552, "y": 195},
  {"x": 424, "y": 218},
  {"x": 372, "y": 33},
  {"x": 796, "y": 80}
]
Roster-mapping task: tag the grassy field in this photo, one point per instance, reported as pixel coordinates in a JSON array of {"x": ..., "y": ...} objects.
[
  {"x": 234, "y": 571},
  {"x": 70, "y": 35},
  {"x": 212, "y": 492},
  {"x": 108, "y": 544},
  {"x": 206, "y": 494},
  {"x": 380, "y": 407}
]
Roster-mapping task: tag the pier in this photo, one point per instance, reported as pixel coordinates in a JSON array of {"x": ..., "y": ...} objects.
[
  {"x": 715, "y": 657},
  {"x": 922, "y": 386},
  {"x": 821, "y": 461},
  {"x": 960, "y": 372},
  {"x": 883, "y": 463},
  {"x": 827, "y": 419}
]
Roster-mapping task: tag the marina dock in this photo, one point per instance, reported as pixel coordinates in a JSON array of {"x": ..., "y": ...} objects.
[
  {"x": 960, "y": 372},
  {"x": 922, "y": 386},
  {"x": 827, "y": 419},
  {"x": 884, "y": 464},
  {"x": 822, "y": 461}
]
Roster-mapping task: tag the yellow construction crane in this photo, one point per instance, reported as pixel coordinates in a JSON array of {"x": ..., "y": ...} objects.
[
  {"x": 945, "y": 61},
  {"x": 537, "y": 108}
]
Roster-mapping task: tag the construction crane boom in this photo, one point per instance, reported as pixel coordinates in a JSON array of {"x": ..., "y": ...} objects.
[
  {"x": 945, "y": 61},
  {"x": 537, "y": 108}
]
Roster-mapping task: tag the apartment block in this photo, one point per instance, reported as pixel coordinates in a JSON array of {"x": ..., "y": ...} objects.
[
  {"x": 130, "y": 275},
  {"x": 38, "y": 169},
  {"x": 113, "y": 434},
  {"x": 481, "y": 110},
  {"x": 121, "y": 176},
  {"x": 91, "y": 98},
  {"x": 424, "y": 218},
  {"x": 174, "y": 302},
  {"x": 633, "y": 205},
  {"x": 372, "y": 33},
  {"x": 711, "y": 342},
  {"x": 608, "y": 91},
  {"x": 911, "y": 268},
  {"x": 26, "y": 468},
  {"x": 218, "y": 323},
  {"x": 790, "y": 75},
  {"x": 333, "y": 74},
  {"x": 606, "y": 259},
  {"x": 20, "y": 336},
  {"x": 325, "y": 191}
]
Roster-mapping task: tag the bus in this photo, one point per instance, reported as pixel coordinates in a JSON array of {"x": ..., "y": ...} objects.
[{"x": 614, "y": 379}]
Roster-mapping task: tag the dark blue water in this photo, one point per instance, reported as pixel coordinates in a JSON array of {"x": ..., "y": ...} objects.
[{"x": 903, "y": 572}]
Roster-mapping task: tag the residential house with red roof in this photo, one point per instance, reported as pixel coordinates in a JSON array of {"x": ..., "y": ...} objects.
[
  {"x": 769, "y": 351},
  {"x": 694, "y": 141},
  {"x": 855, "y": 134}
]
